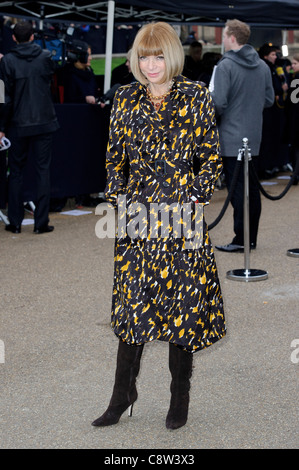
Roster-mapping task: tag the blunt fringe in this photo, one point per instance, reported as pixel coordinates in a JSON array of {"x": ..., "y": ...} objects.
[{"x": 155, "y": 39}]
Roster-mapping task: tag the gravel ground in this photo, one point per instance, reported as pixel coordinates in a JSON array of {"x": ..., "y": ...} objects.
[{"x": 58, "y": 351}]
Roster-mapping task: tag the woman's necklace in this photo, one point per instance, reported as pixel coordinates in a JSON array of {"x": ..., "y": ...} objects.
[{"x": 157, "y": 101}]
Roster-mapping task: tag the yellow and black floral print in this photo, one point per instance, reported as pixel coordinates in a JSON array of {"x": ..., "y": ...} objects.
[{"x": 163, "y": 290}]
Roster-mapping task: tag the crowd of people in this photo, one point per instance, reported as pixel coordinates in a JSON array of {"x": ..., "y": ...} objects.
[
  {"x": 74, "y": 83},
  {"x": 250, "y": 105},
  {"x": 77, "y": 83},
  {"x": 275, "y": 152},
  {"x": 173, "y": 111}
]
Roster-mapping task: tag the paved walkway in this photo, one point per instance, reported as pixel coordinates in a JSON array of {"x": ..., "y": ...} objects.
[{"x": 60, "y": 352}]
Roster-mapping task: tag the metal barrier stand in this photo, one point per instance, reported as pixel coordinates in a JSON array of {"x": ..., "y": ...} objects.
[{"x": 246, "y": 274}]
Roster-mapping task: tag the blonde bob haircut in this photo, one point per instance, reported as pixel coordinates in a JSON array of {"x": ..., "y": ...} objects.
[{"x": 158, "y": 39}]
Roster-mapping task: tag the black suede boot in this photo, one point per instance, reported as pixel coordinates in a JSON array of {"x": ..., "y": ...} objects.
[
  {"x": 124, "y": 391},
  {"x": 180, "y": 366}
]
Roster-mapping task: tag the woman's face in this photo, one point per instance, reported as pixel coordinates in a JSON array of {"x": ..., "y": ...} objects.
[
  {"x": 271, "y": 57},
  {"x": 295, "y": 65},
  {"x": 153, "y": 68}
]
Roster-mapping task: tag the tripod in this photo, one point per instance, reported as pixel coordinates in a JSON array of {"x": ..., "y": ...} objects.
[
  {"x": 31, "y": 205},
  {"x": 4, "y": 218}
]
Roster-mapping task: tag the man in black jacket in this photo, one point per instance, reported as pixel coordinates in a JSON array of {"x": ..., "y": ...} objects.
[{"x": 29, "y": 120}]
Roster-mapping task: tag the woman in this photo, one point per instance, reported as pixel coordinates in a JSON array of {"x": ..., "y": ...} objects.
[
  {"x": 292, "y": 114},
  {"x": 273, "y": 152},
  {"x": 163, "y": 289}
]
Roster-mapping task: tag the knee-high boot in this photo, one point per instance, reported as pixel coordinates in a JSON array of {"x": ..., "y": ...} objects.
[
  {"x": 124, "y": 391},
  {"x": 180, "y": 366}
]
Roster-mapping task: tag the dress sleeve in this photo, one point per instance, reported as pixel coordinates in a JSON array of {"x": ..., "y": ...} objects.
[
  {"x": 116, "y": 152},
  {"x": 207, "y": 149}
]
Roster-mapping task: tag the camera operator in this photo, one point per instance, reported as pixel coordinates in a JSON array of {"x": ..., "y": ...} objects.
[
  {"x": 29, "y": 120},
  {"x": 80, "y": 85}
]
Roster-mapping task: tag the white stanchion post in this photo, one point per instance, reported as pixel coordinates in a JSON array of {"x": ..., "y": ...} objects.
[{"x": 246, "y": 224}]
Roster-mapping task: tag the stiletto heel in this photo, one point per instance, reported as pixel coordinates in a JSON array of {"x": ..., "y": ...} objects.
[
  {"x": 124, "y": 391},
  {"x": 130, "y": 410}
]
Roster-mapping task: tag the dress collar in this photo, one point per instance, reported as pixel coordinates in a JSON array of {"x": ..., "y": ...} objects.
[{"x": 181, "y": 84}]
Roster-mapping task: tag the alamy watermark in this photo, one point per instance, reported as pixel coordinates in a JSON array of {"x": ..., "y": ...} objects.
[
  {"x": 295, "y": 353},
  {"x": 2, "y": 92},
  {"x": 158, "y": 220},
  {"x": 2, "y": 352},
  {"x": 295, "y": 93}
]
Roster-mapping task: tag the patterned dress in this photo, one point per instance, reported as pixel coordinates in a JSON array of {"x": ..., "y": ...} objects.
[{"x": 164, "y": 288}]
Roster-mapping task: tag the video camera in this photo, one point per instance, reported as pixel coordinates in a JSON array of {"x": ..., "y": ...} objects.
[{"x": 63, "y": 47}]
